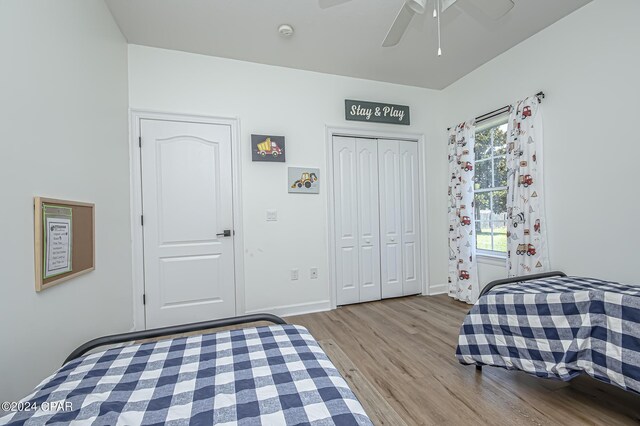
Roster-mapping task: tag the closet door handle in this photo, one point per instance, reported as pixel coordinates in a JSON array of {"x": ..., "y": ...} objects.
[{"x": 225, "y": 233}]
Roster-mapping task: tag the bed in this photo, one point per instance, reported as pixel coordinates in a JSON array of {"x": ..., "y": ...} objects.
[
  {"x": 271, "y": 375},
  {"x": 556, "y": 326}
]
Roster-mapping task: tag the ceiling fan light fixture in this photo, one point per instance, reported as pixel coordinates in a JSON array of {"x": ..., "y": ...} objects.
[{"x": 418, "y": 6}]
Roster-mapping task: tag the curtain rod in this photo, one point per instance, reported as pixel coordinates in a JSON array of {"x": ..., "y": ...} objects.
[{"x": 484, "y": 117}]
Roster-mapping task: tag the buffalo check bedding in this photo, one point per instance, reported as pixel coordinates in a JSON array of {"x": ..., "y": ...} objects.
[
  {"x": 275, "y": 375},
  {"x": 557, "y": 328}
]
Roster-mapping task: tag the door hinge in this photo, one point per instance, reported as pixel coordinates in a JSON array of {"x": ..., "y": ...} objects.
[
  {"x": 141, "y": 220},
  {"x": 140, "y": 141},
  {"x": 144, "y": 299}
]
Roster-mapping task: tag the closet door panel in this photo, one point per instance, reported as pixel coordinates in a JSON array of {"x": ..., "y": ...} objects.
[
  {"x": 390, "y": 218},
  {"x": 346, "y": 220},
  {"x": 368, "y": 219},
  {"x": 410, "y": 205}
]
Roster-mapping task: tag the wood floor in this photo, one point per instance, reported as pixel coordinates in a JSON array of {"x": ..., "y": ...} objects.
[{"x": 398, "y": 357}]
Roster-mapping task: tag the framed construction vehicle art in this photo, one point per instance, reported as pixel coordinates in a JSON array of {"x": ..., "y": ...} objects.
[
  {"x": 267, "y": 148},
  {"x": 304, "y": 180}
]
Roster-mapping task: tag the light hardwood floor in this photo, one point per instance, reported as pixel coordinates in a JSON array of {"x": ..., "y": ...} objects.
[{"x": 398, "y": 357}]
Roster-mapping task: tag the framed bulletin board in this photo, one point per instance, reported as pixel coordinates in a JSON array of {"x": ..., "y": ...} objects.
[{"x": 64, "y": 237}]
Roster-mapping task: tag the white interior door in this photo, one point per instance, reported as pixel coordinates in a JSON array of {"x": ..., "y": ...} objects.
[
  {"x": 368, "y": 219},
  {"x": 187, "y": 204},
  {"x": 410, "y": 206},
  {"x": 346, "y": 220},
  {"x": 390, "y": 218}
]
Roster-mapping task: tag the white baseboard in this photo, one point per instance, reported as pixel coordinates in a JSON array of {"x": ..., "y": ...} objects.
[
  {"x": 299, "y": 309},
  {"x": 438, "y": 289}
]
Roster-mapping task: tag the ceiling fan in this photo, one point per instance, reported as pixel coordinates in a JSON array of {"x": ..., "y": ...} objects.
[{"x": 492, "y": 8}]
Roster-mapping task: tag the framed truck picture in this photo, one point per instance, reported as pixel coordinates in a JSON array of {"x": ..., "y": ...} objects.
[
  {"x": 304, "y": 180},
  {"x": 267, "y": 148}
]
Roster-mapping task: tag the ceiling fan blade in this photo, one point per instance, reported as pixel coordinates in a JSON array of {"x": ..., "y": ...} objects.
[
  {"x": 446, "y": 4},
  {"x": 494, "y": 9},
  {"x": 325, "y": 4},
  {"x": 399, "y": 26}
]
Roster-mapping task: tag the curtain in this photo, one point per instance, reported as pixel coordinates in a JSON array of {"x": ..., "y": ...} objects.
[
  {"x": 463, "y": 272},
  {"x": 526, "y": 224}
]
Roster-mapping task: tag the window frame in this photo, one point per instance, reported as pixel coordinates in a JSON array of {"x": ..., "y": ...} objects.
[{"x": 493, "y": 255}]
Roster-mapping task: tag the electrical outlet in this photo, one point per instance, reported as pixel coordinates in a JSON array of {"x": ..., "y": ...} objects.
[
  {"x": 272, "y": 215},
  {"x": 294, "y": 274},
  {"x": 313, "y": 273}
]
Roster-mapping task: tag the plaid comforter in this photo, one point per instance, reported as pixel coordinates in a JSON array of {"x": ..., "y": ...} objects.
[
  {"x": 276, "y": 375},
  {"x": 557, "y": 328}
]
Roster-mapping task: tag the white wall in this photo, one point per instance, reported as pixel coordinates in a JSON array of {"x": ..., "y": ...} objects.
[
  {"x": 63, "y": 132},
  {"x": 281, "y": 101},
  {"x": 588, "y": 65}
]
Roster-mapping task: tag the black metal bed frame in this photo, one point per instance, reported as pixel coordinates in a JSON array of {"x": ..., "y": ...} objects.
[
  {"x": 167, "y": 331},
  {"x": 519, "y": 279}
]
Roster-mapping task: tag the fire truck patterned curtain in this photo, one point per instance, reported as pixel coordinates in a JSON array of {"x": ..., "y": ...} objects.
[
  {"x": 463, "y": 272},
  {"x": 526, "y": 224}
]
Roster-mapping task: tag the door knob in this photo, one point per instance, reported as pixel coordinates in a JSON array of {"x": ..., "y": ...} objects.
[{"x": 225, "y": 233}]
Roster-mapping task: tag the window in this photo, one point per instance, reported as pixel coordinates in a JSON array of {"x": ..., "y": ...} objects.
[{"x": 490, "y": 187}]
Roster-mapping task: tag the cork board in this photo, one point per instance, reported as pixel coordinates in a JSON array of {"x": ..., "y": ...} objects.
[{"x": 82, "y": 241}]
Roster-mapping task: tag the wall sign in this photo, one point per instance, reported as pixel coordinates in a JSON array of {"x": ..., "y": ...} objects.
[
  {"x": 58, "y": 237},
  {"x": 376, "y": 112}
]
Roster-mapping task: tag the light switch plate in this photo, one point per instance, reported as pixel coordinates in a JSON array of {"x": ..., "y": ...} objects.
[
  {"x": 272, "y": 215},
  {"x": 294, "y": 274},
  {"x": 313, "y": 273}
]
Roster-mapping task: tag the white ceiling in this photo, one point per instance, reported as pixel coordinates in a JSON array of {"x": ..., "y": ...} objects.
[{"x": 344, "y": 40}]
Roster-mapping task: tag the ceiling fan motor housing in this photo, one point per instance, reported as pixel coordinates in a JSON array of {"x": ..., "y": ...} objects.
[{"x": 418, "y": 6}]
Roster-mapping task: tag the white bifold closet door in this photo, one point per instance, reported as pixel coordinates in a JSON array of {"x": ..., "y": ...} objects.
[
  {"x": 410, "y": 208},
  {"x": 390, "y": 218},
  {"x": 377, "y": 226},
  {"x": 355, "y": 164}
]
